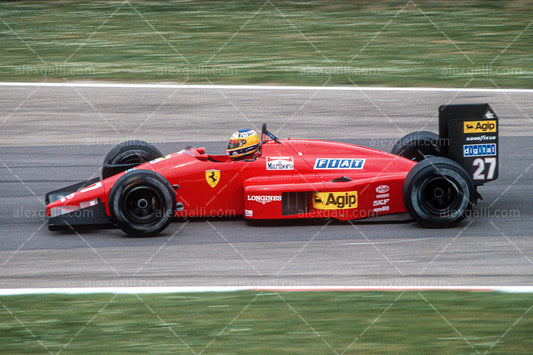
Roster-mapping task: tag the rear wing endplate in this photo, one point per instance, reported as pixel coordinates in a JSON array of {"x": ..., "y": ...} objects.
[{"x": 469, "y": 135}]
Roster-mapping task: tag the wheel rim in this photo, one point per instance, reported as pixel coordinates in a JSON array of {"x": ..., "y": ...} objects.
[
  {"x": 143, "y": 205},
  {"x": 441, "y": 196}
]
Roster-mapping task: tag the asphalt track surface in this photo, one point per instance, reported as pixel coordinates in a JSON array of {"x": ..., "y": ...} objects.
[{"x": 55, "y": 136}]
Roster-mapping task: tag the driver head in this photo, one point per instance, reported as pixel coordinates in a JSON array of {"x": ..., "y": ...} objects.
[{"x": 243, "y": 143}]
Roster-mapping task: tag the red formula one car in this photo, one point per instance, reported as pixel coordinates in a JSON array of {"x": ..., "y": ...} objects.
[{"x": 433, "y": 177}]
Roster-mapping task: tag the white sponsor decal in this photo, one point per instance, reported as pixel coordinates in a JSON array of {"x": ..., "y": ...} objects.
[
  {"x": 92, "y": 187},
  {"x": 68, "y": 197},
  {"x": 381, "y": 202},
  {"x": 86, "y": 204},
  {"x": 280, "y": 163},
  {"x": 382, "y": 196},
  {"x": 333, "y": 163},
  {"x": 165, "y": 157},
  {"x": 264, "y": 198},
  {"x": 382, "y": 189},
  {"x": 244, "y": 134},
  {"x": 481, "y": 138},
  {"x": 382, "y": 209},
  {"x": 479, "y": 150},
  {"x": 249, "y": 213}
]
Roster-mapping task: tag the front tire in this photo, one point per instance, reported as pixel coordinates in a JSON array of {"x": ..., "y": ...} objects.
[
  {"x": 438, "y": 192},
  {"x": 142, "y": 203},
  {"x": 127, "y": 155}
]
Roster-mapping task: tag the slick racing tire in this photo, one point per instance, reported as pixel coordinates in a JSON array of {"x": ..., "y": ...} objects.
[
  {"x": 438, "y": 192},
  {"x": 128, "y": 154},
  {"x": 417, "y": 145},
  {"x": 142, "y": 203}
]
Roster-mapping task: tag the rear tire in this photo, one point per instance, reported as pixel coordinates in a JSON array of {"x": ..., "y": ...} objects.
[
  {"x": 438, "y": 192},
  {"x": 128, "y": 154},
  {"x": 417, "y": 146},
  {"x": 142, "y": 203}
]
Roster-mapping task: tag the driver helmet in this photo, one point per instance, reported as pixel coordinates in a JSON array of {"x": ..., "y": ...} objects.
[{"x": 243, "y": 143}]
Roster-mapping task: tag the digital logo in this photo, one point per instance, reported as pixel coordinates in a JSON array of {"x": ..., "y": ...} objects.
[
  {"x": 279, "y": 163},
  {"x": 335, "y": 200},
  {"x": 212, "y": 177},
  {"x": 332, "y": 163},
  {"x": 479, "y": 126},
  {"x": 479, "y": 150}
]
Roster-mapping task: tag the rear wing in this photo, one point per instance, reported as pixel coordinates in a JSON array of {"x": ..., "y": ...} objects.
[{"x": 469, "y": 135}]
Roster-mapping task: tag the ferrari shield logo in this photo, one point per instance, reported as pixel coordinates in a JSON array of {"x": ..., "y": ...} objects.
[{"x": 212, "y": 177}]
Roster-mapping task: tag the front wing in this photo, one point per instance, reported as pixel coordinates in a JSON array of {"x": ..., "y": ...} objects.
[{"x": 91, "y": 216}]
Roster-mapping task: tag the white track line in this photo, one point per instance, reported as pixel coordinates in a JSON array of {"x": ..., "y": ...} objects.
[
  {"x": 258, "y": 87},
  {"x": 200, "y": 289}
]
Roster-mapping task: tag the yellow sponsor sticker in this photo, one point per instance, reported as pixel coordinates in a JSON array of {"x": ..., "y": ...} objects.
[
  {"x": 480, "y": 126},
  {"x": 335, "y": 200}
]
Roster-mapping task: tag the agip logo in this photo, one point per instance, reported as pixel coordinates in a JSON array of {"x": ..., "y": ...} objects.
[
  {"x": 480, "y": 126},
  {"x": 335, "y": 200}
]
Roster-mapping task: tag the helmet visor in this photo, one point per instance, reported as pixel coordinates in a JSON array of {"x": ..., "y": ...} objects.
[{"x": 235, "y": 143}]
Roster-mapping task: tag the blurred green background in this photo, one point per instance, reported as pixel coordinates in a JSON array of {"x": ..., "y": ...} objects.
[
  {"x": 447, "y": 322},
  {"x": 391, "y": 43}
]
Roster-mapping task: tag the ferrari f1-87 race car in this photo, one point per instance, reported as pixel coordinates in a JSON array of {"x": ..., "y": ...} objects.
[{"x": 433, "y": 177}]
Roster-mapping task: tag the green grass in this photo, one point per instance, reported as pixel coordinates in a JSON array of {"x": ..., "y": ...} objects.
[
  {"x": 269, "y": 323},
  {"x": 396, "y": 43}
]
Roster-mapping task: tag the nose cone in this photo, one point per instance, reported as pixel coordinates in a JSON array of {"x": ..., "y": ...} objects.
[{"x": 85, "y": 197}]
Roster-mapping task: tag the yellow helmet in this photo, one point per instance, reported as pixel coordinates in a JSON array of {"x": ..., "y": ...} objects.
[{"x": 242, "y": 143}]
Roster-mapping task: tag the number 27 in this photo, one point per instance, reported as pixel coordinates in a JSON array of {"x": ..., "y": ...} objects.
[{"x": 479, "y": 174}]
